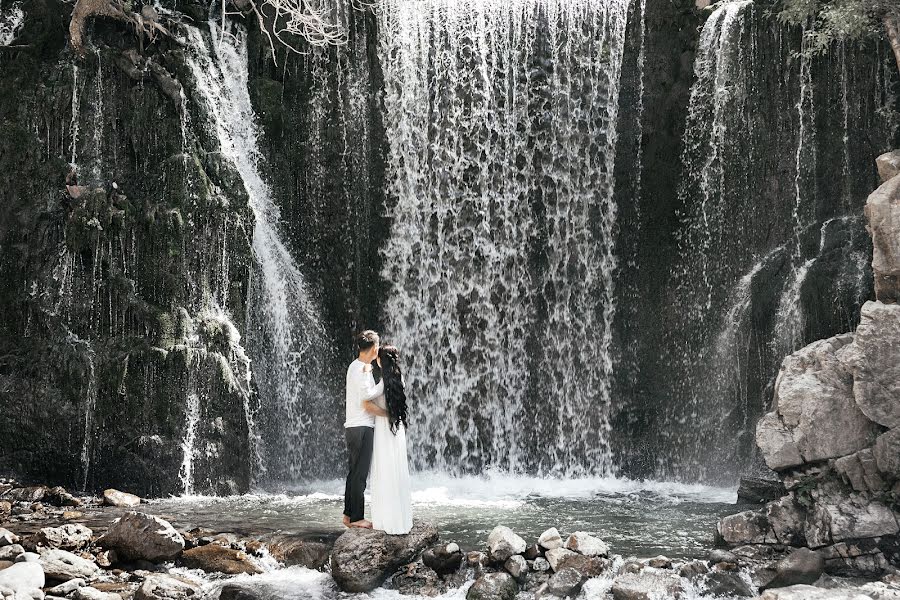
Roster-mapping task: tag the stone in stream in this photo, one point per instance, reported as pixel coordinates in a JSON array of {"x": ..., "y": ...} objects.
[
  {"x": 63, "y": 566},
  {"x": 493, "y": 586},
  {"x": 311, "y": 552},
  {"x": 363, "y": 558},
  {"x": 587, "y": 544},
  {"x": 66, "y": 588},
  {"x": 565, "y": 583},
  {"x": 550, "y": 539},
  {"x": 541, "y": 564},
  {"x": 693, "y": 569},
  {"x": 214, "y": 558},
  {"x": 26, "y": 494},
  {"x": 809, "y": 592},
  {"x": 89, "y": 593},
  {"x": 660, "y": 562},
  {"x": 444, "y": 559},
  {"x": 140, "y": 536},
  {"x": 166, "y": 587},
  {"x": 11, "y": 552},
  {"x": 553, "y": 556},
  {"x": 112, "y": 497},
  {"x": 800, "y": 566},
  {"x": 23, "y": 580},
  {"x": 888, "y": 165},
  {"x": 646, "y": 585},
  {"x": 589, "y": 566},
  {"x": 727, "y": 583},
  {"x": 418, "y": 579},
  {"x": 7, "y": 537},
  {"x": 516, "y": 566},
  {"x": 71, "y": 536},
  {"x": 503, "y": 543}
]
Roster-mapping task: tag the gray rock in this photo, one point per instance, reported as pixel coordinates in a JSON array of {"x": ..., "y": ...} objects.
[
  {"x": 787, "y": 521},
  {"x": 883, "y": 215},
  {"x": 444, "y": 558},
  {"x": 493, "y": 586},
  {"x": 66, "y": 588},
  {"x": 29, "y": 557},
  {"x": 71, "y": 536},
  {"x": 503, "y": 543},
  {"x": 89, "y": 593},
  {"x": 815, "y": 404},
  {"x": 553, "y": 556},
  {"x": 363, "y": 558},
  {"x": 63, "y": 566},
  {"x": 693, "y": 569},
  {"x": 7, "y": 537},
  {"x": 887, "y": 452},
  {"x": 214, "y": 558},
  {"x": 165, "y": 587},
  {"x": 755, "y": 490},
  {"x": 26, "y": 494},
  {"x": 660, "y": 562},
  {"x": 418, "y": 579},
  {"x": 516, "y": 566},
  {"x": 646, "y": 585},
  {"x": 809, "y": 592},
  {"x": 565, "y": 583},
  {"x": 588, "y": 566},
  {"x": 11, "y": 552},
  {"x": 587, "y": 544},
  {"x": 747, "y": 527},
  {"x": 140, "y": 536},
  {"x": 860, "y": 471},
  {"x": 888, "y": 165},
  {"x": 112, "y": 497},
  {"x": 550, "y": 539},
  {"x": 860, "y": 558},
  {"x": 718, "y": 555},
  {"x": 23, "y": 579},
  {"x": 874, "y": 361},
  {"x": 541, "y": 564},
  {"x": 727, "y": 583},
  {"x": 800, "y": 566},
  {"x": 841, "y": 518}
]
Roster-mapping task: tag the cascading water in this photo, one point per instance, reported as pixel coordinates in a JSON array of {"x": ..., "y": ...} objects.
[
  {"x": 501, "y": 120},
  {"x": 286, "y": 336}
]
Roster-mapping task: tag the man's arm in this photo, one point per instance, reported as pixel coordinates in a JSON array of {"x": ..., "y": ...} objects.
[{"x": 370, "y": 391}]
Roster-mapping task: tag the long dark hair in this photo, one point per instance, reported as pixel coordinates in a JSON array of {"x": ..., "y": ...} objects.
[{"x": 394, "y": 390}]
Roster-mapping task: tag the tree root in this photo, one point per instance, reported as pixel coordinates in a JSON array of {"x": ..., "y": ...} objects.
[{"x": 113, "y": 9}]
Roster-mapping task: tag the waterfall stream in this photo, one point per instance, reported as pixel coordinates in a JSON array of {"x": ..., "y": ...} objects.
[
  {"x": 286, "y": 337},
  {"x": 501, "y": 120}
]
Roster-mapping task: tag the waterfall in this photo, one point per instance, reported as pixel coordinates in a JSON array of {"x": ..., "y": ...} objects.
[
  {"x": 501, "y": 120},
  {"x": 287, "y": 340}
]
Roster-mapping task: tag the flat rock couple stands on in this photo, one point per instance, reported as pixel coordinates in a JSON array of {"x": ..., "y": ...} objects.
[{"x": 376, "y": 438}]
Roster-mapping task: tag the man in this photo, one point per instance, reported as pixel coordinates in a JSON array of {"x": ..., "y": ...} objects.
[{"x": 359, "y": 426}]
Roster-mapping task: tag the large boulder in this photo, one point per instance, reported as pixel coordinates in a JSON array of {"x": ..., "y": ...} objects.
[
  {"x": 166, "y": 587},
  {"x": 363, "y": 558},
  {"x": 555, "y": 556},
  {"x": 503, "y": 543},
  {"x": 443, "y": 559},
  {"x": 837, "y": 517},
  {"x": 874, "y": 361},
  {"x": 647, "y": 584},
  {"x": 71, "y": 536},
  {"x": 550, "y": 539},
  {"x": 23, "y": 580},
  {"x": 139, "y": 536},
  {"x": 587, "y": 544},
  {"x": 815, "y": 416},
  {"x": 565, "y": 583},
  {"x": 888, "y": 165},
  {"x": 214, "y": 558},
  {"x": 727, "y": 584},
  {"x": 112, "y": 497},
  {"x": 493, "y": 586},
  {"x": 800, "y": 566},
  {"x": 63, "y": 566},
  {"x": 883, "y": 214}
]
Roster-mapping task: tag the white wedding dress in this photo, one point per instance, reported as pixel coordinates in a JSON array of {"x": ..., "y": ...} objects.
[{"x": 389, "y": 478}]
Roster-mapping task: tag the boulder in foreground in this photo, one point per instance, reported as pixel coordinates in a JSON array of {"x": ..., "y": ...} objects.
[
  {"x": 363, "y": 558},
  {"x": 138, "y": 536}
]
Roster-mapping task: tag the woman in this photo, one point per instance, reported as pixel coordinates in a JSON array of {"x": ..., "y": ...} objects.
[{"x": 389, "y": 478}]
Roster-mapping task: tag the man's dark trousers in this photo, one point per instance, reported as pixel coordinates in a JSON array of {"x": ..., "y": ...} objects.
[{"x": 359, "y": 449}]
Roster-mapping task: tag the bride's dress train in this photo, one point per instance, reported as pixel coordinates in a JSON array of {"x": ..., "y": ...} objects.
[{"x": 389, "y": 478}]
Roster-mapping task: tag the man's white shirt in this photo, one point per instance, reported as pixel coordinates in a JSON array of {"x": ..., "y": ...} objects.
[{"x": 361, "y": 386}]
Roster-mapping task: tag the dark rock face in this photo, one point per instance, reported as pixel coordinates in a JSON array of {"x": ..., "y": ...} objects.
[
  {"x": 363, "y": 558},
  {"x": 108, "y": 266},
  {"x": 756, "y": 491}
]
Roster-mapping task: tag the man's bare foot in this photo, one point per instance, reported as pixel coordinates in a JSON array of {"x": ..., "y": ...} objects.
[
  {"x": 364, "y": 524},
  {"x": 346, "y": 521}
]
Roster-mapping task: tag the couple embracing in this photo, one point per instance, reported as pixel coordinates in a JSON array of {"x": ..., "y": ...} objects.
[{"x": 375, "y": 428}]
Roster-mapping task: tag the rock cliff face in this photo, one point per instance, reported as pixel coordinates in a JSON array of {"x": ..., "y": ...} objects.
[
  {"x": 834, "y": 432},
  {"x": 124, "y": 257}
]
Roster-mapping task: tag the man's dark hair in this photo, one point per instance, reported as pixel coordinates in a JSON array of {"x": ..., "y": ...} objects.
[{"x": 366, "y": 340}]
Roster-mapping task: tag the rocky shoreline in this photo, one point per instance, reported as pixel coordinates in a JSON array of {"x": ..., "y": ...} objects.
[{"x": 56, "y": 545}]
